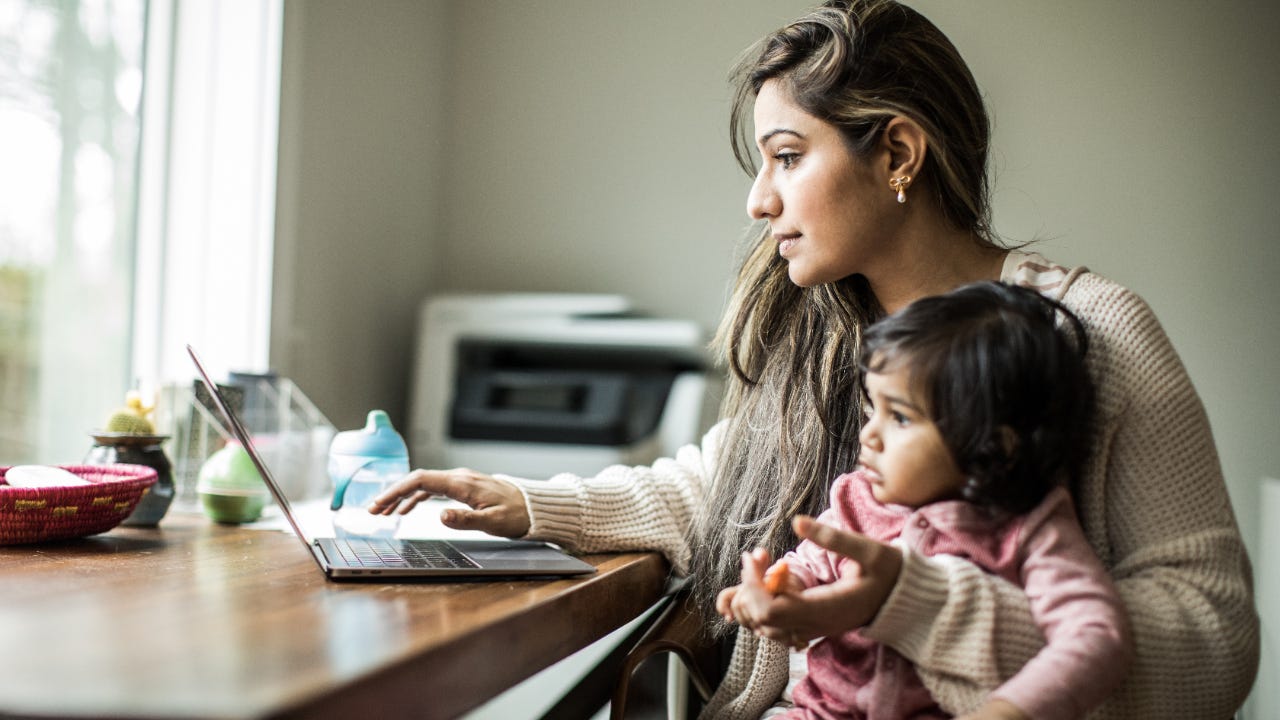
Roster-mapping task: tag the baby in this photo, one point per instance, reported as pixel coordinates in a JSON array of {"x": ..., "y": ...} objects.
[{"x": 978, "y": 412}]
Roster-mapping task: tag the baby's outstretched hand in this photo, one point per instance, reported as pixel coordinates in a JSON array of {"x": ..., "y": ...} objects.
[
  {"x": 724, "y": 603},
  {"x": 741, "y": 603},
  {"x": 749, "y": 604},
  {"x": 779, "y": 580}
]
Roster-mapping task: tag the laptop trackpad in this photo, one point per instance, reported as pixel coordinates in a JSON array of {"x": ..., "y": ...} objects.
[{"x": 520, "y": 555}]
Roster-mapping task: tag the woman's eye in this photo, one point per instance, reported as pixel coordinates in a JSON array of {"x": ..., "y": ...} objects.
[
  {"x": 900, "y": 419},
  {"x": 787, "y": 159}
]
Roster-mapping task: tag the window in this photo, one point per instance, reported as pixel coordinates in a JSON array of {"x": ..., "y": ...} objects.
[
  {"x": 70, "y": 95},
  {"x": 137, "y": 177}
]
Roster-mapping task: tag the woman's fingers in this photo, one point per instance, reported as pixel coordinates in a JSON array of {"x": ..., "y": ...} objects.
[
  {"x": 499, "y": 519},
  {"x": 856, "y": 547},
  {"x": 495, "y": 506},
  {"x": 783, "y": 618},
  {"x": 864, "y": 583},
  {"x": 403, "y": 505},
  {"x": 408, "y": 491},
  {"x": 460, "y": 484},
  {"x": 878, "y": 563}
]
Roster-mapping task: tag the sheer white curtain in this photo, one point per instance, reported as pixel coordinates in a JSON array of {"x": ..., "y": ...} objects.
[
  {"x": 207, "y": 197},
  {"x": 136, "y": 204},
  {"x": 70, "y": 80}
]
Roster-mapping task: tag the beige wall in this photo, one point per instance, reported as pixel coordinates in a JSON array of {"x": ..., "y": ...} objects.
[
  {"x": 577, "y": 145},
  {"x": 364, "y": 119}
]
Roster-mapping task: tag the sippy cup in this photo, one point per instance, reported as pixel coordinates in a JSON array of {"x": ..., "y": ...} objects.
[{"x": 363, "y": 463}]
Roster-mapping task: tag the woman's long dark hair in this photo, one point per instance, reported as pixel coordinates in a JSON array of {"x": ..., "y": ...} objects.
[{"x": 792, "y": 406}]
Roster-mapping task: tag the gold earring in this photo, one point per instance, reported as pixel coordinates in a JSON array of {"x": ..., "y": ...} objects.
[{"x": 901, "y": 183}]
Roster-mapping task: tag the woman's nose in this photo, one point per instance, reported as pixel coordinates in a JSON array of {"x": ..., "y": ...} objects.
[{"x": 763, "y": 202}]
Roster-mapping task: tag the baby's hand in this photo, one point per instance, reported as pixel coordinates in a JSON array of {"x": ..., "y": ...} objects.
[
  {"x": 740, "y": 603},
  {"x": 778, "y": 579},
  {"x": 724, "y": 603},
  {"x": 744, "y": 603}
]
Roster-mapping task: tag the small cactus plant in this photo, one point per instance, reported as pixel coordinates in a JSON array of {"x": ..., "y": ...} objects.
[{"x": 132, "y": 418}]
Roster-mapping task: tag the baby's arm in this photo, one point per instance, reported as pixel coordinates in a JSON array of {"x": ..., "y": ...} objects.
[{"x": 1088, "y": 646}]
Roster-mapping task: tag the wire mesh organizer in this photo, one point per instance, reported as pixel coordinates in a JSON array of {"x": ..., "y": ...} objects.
[{"x": 288, "y": 430}]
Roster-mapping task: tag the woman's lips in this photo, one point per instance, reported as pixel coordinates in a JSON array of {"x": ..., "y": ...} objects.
[{"x": 785, "y": 243}]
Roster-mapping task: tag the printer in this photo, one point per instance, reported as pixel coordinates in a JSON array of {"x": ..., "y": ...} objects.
[{"x": 533, "y": 384}]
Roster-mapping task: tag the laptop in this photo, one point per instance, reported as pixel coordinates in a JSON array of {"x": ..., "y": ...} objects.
[{"x": 383, "y": 559}]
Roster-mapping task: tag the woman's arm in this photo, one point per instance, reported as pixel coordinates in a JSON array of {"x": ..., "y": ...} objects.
[
  {"x": 625, "y": 508},
  {"x": 622, "y": 508}
]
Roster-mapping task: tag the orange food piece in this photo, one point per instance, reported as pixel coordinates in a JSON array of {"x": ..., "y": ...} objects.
[{"x": 775, "y": 578}]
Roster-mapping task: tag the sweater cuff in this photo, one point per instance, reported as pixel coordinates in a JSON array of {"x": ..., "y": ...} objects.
[
  {"x": 554, "y": 507},
  {"x": 906, "y": 618}
]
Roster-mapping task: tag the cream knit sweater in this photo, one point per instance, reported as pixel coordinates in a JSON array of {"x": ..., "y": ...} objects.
[{"x": 1152, "y": 501}]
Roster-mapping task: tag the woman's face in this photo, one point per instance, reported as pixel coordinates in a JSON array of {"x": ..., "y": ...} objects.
[{"x": 827, "y": 209}]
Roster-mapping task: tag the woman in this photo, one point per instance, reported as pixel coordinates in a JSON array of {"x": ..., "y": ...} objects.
[{"x": 872, "y": 192}]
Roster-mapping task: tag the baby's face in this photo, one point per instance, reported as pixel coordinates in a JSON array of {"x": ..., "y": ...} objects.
[{"x": 902, "y": 452}]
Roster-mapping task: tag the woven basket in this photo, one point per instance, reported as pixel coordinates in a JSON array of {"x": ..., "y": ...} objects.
[{"x": 29, "y": 515}]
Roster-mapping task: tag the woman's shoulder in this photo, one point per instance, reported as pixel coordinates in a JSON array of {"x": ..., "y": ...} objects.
[
  {"x": 1102, "y": 304},
  {"x": 1130, "y": 354},
  {"x": 1035, "y": 271}
]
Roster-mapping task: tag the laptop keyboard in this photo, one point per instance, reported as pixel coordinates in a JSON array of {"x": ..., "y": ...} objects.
[{"x": 375, "y": 553}]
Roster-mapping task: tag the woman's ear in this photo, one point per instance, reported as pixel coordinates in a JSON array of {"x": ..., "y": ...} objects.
[{"x": 905, "y": 145}]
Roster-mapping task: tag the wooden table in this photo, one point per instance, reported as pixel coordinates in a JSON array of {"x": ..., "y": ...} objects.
[{"x": 197, "y": 620}]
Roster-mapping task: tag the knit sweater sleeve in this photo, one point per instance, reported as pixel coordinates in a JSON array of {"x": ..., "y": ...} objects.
[
  {"x": 756, "y": 676},
  {"x": 624, "y": 507},
  {"x": 1154, "y": 507}
]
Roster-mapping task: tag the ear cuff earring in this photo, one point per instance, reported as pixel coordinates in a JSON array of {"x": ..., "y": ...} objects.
[{"x": 901, "y": 183}]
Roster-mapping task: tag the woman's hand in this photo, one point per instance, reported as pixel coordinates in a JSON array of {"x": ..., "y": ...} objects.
[
  {"x": 849, "y": 602},
  {"x": 497, "y": 506}
]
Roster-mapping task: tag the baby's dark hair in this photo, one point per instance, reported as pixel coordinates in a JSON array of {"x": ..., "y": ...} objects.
[{"x": 1003, "y": 381}]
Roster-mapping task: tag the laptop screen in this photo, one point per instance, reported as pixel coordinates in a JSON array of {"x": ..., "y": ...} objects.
[{"x": 242, "y": 435}]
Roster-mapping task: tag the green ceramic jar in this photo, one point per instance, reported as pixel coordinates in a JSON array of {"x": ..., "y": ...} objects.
[{"x": 230, "y": 489}]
